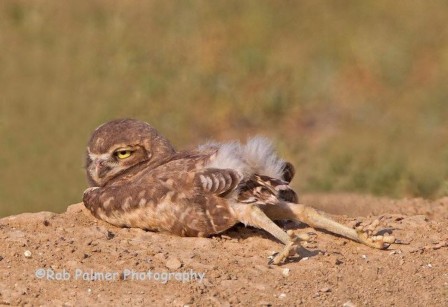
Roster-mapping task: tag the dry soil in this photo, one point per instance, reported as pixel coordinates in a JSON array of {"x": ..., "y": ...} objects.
[{"x": 73, "y": 259}]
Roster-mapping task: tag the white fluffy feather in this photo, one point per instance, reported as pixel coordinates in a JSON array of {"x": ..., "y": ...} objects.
[
  {"x": 262, "y": 158},
  {"x": 256, "y": 156}
]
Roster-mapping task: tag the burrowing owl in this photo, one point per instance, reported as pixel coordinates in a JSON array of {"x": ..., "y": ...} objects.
[{"x": 139, "y": 180}]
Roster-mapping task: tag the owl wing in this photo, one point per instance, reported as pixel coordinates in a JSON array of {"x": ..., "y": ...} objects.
[
  {"x": 217, "y": 181},
  {"x": 258, "y": 189},
  {"x": 265, "y": 190}
]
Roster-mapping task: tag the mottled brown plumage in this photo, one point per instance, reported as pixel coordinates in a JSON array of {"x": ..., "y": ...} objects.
[{"x": 137, "y": 179}]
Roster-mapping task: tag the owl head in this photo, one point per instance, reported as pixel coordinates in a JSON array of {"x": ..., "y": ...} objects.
[{"x": 120, "y": 145}]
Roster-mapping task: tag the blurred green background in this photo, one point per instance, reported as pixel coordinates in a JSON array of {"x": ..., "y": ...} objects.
[{"x": 353, "y": 92}]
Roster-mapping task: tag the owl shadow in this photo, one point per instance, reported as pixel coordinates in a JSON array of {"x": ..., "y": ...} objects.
[{"x": 241, "y": 232}]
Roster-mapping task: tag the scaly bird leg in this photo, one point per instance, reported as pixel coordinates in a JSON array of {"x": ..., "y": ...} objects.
[
  {"x": 310, "y": 216},
  {"x": 254, "y": 216}
]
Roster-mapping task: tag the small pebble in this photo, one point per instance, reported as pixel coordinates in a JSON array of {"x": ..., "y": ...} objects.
[
  {"x": 440, "y": 245},
  {"x": 348, "y": 304},
  {"x": 110, "y": 235},
  {"x": 338, "y": 262},
  {"x": 285, "y": 272},
  {"x": 325, "y": 289},
  {"x": 27, "y": 254},
  {"x": 173, "y": 263},
  {"x": 282, "y": 296}
]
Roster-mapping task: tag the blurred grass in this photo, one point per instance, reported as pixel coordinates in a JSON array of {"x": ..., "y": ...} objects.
[{"x": 353, "y": 92}]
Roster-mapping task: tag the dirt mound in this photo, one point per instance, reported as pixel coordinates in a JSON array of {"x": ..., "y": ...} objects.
[{"x": 73, "y": 259}]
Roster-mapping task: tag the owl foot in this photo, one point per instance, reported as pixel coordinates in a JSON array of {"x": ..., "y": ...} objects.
[
  {"x": 290, "y": 248},
  {"x": 379, "y": 242},
  {"x": 366, "y": 235},
  {"x": 283, "y": 254}
]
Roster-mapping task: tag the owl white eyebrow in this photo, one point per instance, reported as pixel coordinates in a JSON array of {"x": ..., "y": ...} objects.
[{"x": 93, "y": 156}]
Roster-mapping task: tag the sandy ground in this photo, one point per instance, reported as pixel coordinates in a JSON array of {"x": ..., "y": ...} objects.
[{"x": 72, "y": 259}]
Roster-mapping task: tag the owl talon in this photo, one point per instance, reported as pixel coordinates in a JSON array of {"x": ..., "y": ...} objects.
[
  {"x": 379, "y": 242},
  {"x": 283, "y": 254},
  {"x": 366, "y": 236},
  {"x": 290, "y": 248}
]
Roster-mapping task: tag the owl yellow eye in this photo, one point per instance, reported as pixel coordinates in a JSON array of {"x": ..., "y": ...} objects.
[{"x": 123, "y": 153}]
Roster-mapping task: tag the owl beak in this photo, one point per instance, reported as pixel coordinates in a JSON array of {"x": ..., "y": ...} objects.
[{"x": 101, "y": 168}]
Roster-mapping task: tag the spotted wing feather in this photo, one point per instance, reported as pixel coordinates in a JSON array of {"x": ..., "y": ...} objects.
[
  {"x": 264, "y": 190},
  {"x": 217, "y": 181}
]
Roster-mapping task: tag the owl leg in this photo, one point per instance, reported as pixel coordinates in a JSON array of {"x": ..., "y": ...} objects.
[
  {"x": 311, "y": 217},
  {"x": 252, "y": 215}
]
